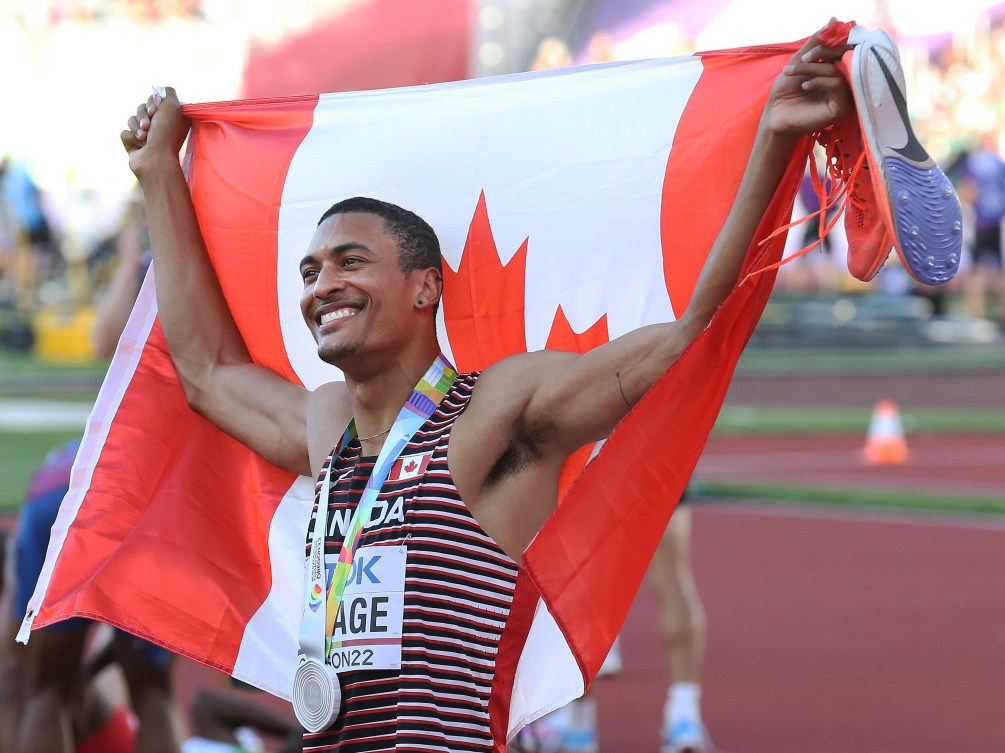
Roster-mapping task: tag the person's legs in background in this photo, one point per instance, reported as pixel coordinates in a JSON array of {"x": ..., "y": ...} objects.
[
  {"x": 683, "y": 627},
  {"x": 148, "y": 673}
]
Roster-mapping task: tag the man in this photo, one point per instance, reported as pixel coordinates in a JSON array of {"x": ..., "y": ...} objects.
[
  {"x": 983, "y": 181},
  {"x": 494, "y": 445}
]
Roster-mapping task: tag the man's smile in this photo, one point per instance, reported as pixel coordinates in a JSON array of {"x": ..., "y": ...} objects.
[{"x": 342, "y": 313}]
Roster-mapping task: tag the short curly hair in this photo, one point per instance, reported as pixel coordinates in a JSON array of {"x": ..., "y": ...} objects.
[{"x": 418, "y": 246}]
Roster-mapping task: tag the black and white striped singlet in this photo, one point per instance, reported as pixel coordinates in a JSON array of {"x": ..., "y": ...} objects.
[{"x": 459, "y": 587}]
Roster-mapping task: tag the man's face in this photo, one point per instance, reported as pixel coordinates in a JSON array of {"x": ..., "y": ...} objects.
[{"x": 356, "y": 299}]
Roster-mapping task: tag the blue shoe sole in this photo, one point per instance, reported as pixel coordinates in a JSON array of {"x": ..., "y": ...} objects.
[
  {"x": 923, "y": 206},
  {"x": 927, "y": 219}
]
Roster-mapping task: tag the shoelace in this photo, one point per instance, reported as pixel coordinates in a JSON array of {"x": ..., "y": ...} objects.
[
  {"x": 836, "y": 192},
  {"x": 841, "y": 186}
]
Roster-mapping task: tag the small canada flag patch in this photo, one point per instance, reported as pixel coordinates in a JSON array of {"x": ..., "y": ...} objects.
[{"x": 411, "y": 466}]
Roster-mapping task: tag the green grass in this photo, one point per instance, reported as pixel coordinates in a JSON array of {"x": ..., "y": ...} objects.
[
  {"x": 23, "y": 375},
  {"x": 736, "y": 419},
  {"x": 850, "y": 497},
  {"x": 21, "y": 454},
  {"x": 27, "y": 365},
  {"x": 945, "y": 358}
]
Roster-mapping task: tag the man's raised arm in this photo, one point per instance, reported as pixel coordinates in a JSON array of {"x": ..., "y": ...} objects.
[
  {"x": 251, "y": 403},
  {"x": 580, "y": 399}
]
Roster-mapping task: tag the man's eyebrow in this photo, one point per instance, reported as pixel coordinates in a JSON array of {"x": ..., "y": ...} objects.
[{"x": 334, "y": 251}]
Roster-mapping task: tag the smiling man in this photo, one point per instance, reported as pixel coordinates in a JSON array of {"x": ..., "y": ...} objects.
[{"x": 430, "y": 484}]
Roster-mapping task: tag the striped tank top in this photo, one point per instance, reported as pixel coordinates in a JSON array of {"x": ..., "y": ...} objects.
[{"x": 459, "y": 587}]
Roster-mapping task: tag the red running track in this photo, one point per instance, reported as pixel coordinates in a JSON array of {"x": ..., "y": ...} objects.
[
  {"x": 962, "y": 464},
  {"x": 831, "y": 630}
]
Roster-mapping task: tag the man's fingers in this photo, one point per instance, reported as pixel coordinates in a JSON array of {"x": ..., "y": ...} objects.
[
  {"x": 824, "y": 83},
  {"x": 140, "y": 122},
  {"x": 816, "y": 49},
  {"x": 811, "y": 70},
  {"x": 138, "y": 126},
  {"x": 823, "y": 53},
  {"x": 816, "y": 76},
  {"x": 129, "y": 140}
]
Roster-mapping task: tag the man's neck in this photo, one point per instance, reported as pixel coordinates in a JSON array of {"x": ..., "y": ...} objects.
[{"x": 376, "y": 394}]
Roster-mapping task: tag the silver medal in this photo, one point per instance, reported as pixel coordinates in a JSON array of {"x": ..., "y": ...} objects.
[{"x": 317, "y": 695}]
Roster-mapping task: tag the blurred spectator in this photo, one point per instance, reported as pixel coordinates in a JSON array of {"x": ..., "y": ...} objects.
[
  {"x": 34, "y": 254},
  {"x": 551, "y": 53},
  {"x": 573, "y": 728},
  {"x": 131, "y": 245},
  {"x": 601, "y": 48},
  {"x": 96, "y": 721},
  {"x": 59, "y": 705},
  {"x": 229, "y": 723},
  {"x": 8, "y": 656},
  {"x": 982, "y": 186}
]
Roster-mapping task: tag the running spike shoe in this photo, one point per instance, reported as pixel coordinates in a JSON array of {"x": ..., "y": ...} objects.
[
  {"x": 869, "y": 239},
  {"x": 570, "y": 729},
  {"x": 914, "y": 197},
  {"x": 684, "y": 736}
]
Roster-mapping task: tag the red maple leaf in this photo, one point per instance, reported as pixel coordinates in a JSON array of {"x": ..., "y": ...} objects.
[
  {"x": 484, "y": 312},
  {"x": 483, "y": 301}
]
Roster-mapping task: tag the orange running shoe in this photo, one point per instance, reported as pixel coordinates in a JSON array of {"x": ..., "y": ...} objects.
[
  {"x": 869, "y": 239},
  {"x": 901, "y": 187}
]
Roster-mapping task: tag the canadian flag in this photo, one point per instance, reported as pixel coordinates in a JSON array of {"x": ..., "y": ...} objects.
[
  {"x": 572, "y": 206},
  {"x": 409, "y": 466}
]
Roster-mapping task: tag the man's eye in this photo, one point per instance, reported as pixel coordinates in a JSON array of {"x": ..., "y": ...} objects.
[
  {"x": 350, "y": 261},
  {"x": 308, "y": 274}
]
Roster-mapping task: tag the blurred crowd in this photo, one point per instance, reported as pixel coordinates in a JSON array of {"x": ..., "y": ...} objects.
[
  {"x": 58, "y": 246},
  {"x": 150, "y": 11}
]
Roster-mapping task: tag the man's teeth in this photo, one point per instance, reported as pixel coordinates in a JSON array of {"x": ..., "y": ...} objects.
[{"x": 333, "y": 315}]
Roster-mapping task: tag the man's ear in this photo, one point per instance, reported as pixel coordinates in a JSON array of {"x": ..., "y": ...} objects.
[{"x": 430, "y": 288}]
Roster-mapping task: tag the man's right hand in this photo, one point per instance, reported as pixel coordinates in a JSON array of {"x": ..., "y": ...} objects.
[{"x": 155, "y": 133}]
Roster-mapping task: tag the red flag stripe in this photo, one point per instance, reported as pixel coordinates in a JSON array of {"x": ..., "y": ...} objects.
[
  {"x": 591, "y": 555},
  {"x": 211, "y": 581}
]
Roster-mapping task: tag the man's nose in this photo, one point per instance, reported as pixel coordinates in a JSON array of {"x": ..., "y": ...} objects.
[{"x": 329, "y": 280}]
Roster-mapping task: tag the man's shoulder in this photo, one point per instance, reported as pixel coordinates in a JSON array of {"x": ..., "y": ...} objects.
[
  {"x": 330, "y": 392},
  {"x": 504, "y": 388},
  {"x": 524, "y": 367},
  {"x": 328, "y": 414}
]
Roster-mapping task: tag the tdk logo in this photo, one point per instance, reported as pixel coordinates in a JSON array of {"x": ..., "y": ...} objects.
[{"x": 361, "y": 570}]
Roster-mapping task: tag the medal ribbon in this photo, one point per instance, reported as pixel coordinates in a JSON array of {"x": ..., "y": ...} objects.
[{"x": 315, "y": 624}]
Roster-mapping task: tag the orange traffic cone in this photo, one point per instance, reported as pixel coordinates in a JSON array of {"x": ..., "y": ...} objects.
[{"x": 885, "y": 443}]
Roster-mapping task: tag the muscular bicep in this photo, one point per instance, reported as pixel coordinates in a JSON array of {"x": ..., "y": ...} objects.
[
  {"x": 583, "y": 397},
  {"x": 261, "y": 409}
]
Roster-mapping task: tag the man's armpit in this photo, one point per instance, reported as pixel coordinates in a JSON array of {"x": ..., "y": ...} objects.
[{"x": 526, "y": 445}]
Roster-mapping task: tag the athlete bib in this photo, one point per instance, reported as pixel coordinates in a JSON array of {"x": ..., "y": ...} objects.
[{"x": 367, "y": 630}]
